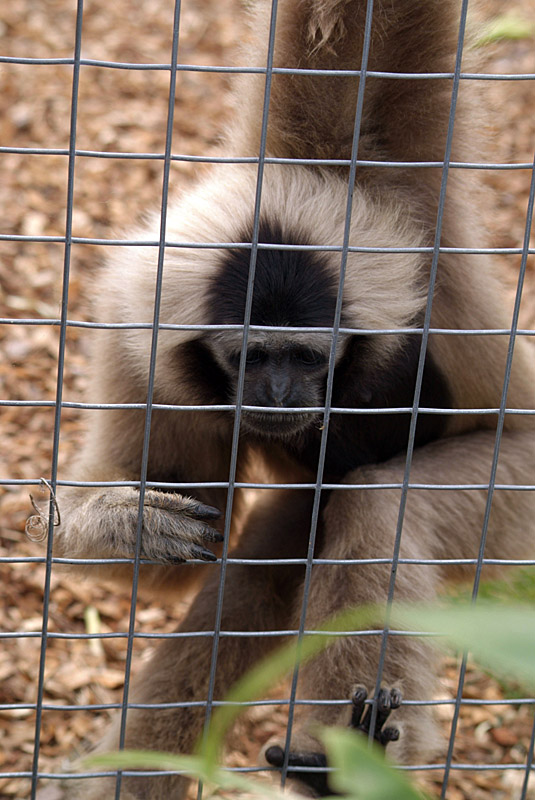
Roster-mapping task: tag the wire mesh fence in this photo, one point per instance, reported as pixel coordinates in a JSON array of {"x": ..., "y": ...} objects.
[{"x": 318, "y": 484}]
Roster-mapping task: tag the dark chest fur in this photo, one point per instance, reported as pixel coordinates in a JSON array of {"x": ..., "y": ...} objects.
[{"x": 354, "y": 440}]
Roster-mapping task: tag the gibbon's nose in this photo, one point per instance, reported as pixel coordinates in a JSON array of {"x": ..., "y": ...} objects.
[{"x": 278, "y": 391}]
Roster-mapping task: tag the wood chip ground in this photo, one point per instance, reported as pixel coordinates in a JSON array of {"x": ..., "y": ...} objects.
[{"x": 122, "y": 110}]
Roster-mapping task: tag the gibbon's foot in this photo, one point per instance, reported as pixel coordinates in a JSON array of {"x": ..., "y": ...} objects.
[
  {"x": 387, "y": 701},
  {"x": 175, "y": 527}
]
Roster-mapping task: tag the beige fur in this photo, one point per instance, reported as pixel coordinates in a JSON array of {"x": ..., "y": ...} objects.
[{"x": 310, "y": 117}]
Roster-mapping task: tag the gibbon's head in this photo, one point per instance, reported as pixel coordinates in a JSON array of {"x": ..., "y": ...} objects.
[
  {"x": 293, "y": 288},
  {"x": 298, "y": 288}
]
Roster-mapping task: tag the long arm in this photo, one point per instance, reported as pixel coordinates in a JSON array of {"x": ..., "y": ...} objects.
[
  {"x": 100, "y": 522},
  {"x": 313, "y": 116}
]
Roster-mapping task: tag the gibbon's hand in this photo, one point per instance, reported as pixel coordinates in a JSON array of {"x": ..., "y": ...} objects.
[
  {"x": 175, "y": 527},
  {"x": 387, "y": 701}
]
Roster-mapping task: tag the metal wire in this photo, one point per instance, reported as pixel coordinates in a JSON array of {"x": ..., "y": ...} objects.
[
  {"x": 59, "y": 393},
  {"x": 310, "y": 562},
  {"x": 330, "y": 379},
  {"x": 494, "y": 467},
  {"x": 243, "y": 361},
  {"x": 12, "y": 237},
  {"x": 150, "y": 387},
  {"x": 91, "y": 62},
  {"x": 315, "y": 162},
  {"x": 421, "y": 361}
]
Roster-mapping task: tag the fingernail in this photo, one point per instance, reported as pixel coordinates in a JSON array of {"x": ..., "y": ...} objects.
[
  {"x": 208, "y": 511},
  {"x": 207, "y": 555}
]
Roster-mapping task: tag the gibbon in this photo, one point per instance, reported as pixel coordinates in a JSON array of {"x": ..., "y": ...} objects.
[{"x": 393, "y": 220}]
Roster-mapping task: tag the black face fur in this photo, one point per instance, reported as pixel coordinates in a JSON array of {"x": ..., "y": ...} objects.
[
  {"x": 284, "y": 375},
  {"x": 291, "y": 288}
]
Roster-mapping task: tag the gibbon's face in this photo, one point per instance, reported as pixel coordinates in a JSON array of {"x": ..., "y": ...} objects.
[
  {"x": 280, "y": 374},
  {"x": 292, "y": 288}
]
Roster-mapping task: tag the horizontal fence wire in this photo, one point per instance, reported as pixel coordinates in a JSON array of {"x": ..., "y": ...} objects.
[
  {"x": 245, "y": 70},
  {"x": 168, "y": 326},
  {"x": 263, "y": 769},
  {"x": 308, "y": 162},
  {"x": 12, "y": 237},
  {"x": 218, "y": 632},
  {"x": 282, "y": 701}
]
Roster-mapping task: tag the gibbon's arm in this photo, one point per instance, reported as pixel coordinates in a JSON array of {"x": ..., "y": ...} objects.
[
  {"x": 99, "y": 522},
  {"x": 313, "y": 116}
]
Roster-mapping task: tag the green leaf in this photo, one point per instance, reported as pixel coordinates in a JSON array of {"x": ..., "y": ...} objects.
[
  {"x": 502, "y": 638},
  {"x": 192, "y": 766},
  {"x": 507, "y": 26},
  {"x": 361, "y": 770}
]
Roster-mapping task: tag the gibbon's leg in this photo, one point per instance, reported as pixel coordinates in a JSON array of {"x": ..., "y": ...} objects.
[
  {"x": 256, "y": 598},
  {"x": 438, "y": 524}
]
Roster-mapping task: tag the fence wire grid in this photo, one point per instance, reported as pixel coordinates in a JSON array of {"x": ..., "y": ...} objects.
[{"x": 173, "y": 67}]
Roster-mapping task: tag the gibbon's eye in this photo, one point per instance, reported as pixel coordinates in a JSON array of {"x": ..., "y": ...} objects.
[
  {"x": 309, "y": 357},
  {"x": 234, "y": 359},
  {"x": 256, "y": 355}
]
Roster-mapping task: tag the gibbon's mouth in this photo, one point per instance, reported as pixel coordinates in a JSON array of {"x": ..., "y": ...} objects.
[{"x": 275, "y": 425}]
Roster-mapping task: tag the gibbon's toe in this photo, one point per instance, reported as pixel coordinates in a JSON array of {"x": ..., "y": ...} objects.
[
  {"x": 312, "y": 780},
  {"x": 361, "y": 719}
]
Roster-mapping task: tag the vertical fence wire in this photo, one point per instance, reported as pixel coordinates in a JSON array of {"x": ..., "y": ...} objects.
[
  {"x": 494, "y": 467},
  {"x": 423, "y": 352},
  {"x": 151, "y": 376},
  {"x": 59, "y": 391},
  {"x": 241, "y": 372},
  {"x": 330, "y": 379}
]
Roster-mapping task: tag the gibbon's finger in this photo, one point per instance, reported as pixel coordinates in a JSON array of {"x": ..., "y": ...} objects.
[
  {"x": 202, "y": 553},
  {"x": 202, "y": 511},
  {"x": 179, "y": 504},
  {"x": 189, "y": 553},
  {"x": 384, "y": 707},
  {"x": 396, "y": 698},
  {"x": 359, "y": 698},
  {"x": 211, "y": 535},
  {"x": 275, "y": 756},
  {"x": 186, "y": 529},
  {"x": 389, "y": 734}
]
